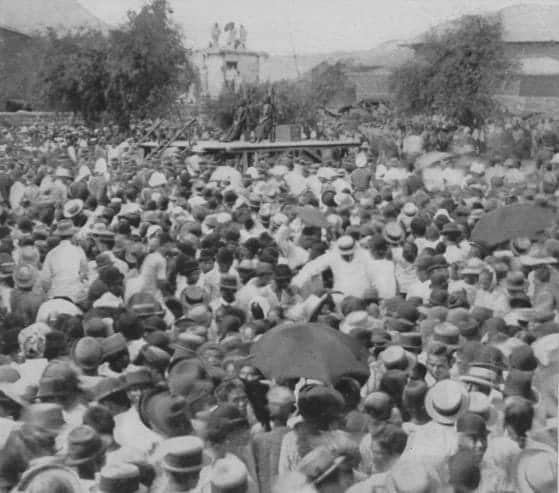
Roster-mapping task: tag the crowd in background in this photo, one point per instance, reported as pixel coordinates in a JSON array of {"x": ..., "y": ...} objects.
[{"x": 137, "y": 294}]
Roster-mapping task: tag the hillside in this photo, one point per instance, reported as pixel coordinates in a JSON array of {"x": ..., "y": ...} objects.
[
  {"x": 28, "y": 16},
  {"x": 388, "y": 54}
]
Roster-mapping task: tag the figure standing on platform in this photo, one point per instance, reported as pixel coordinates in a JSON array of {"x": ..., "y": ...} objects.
[
  {"x": 267, "y": 122},
  {"x": 231, "y": 31},
  {"x": 216, "y": 33},
  {"x": 243, "y": 33},
  {"x": 240, "y": 123}
]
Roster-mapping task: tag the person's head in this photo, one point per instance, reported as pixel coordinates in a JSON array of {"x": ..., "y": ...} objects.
[
  {"x": 85, "y": 451},
  {"x": 320, "y": 406},
  {"x": 413, "y": 398},
  {"x": 264, "y": 274},
  {"x": 51, "y": 477},
  {"x": 387, "y": 444},
  {"x": 519, "y": 415},
  {"x": 182, "y": 461},
  {"x": 100, "y": 419},
  {"x": 346, "y": 248},
  {"x": 438, "y": 361},
  {"x": 472, "y": 434},
  {"x": 378, "y": 406},
  {"x": 281, "y": 402},
  {"x": 464, "y": 471},
  {"x": 233, "y": 392},
  {"x": 228, "y": 287},
  {"x": 224, "y": 260},
  {"x": 485, "y": 279}
]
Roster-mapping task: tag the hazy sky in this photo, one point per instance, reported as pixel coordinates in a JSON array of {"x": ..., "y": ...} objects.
[{"x": 309, "y": 26}]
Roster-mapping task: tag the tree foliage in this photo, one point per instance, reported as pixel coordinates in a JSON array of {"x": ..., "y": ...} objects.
[
  {"x": 139, "y": 69},
  {"x": 295, "y": 101},
  {"x": 457, "y": 72}
]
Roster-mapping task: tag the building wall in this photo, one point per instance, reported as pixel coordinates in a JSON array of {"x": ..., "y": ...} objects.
[
  {"x": 532, "y": 49},
  {"x": 214, "y": 74},
  {"x": 14, "y": 65}
]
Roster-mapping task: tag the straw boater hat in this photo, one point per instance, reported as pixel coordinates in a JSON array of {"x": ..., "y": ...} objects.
[
  {"x": 346, "y": 245},
  {"x": 393, "y": 233},
  {"x": 183, "y": 454},
  {"x": 72, "y": 208},
  {"x": 446, "y": 401}
]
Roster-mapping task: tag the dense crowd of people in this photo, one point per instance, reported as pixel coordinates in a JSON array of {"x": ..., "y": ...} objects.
[{"x": 169, "y": 323}]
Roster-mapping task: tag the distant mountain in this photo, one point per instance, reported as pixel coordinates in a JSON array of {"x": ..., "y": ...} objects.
[
  {"x": 29, "y": 16},
  {"x": 388, "y": 54}
]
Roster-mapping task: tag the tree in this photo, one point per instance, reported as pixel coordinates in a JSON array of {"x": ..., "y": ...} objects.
[
  {"x": 147, "y": 64},
  {"x": 456, "y": 73},
  {"x": 137, "y": 71},
  {"x": 73, "y": 72},
  {"x": 295, "y": 101}
]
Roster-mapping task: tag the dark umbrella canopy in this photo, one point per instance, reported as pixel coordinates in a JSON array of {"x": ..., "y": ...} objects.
[
  {"x": 310, "y": 351},
  {"x": 513, "y": 221},
  {"x": 311, "y": 216}
]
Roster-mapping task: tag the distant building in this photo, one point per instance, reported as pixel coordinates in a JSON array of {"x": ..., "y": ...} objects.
[
  {"x": 371, "y": 83},
  {"x": 20, "y": 21},
  {"x": 531, "y": 36},
  {"x": 222, "y": 68}
]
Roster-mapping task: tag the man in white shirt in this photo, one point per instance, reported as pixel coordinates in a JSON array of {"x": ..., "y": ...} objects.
[
  {"x": 65, "y": 267},
  {"x": 351, "y": 268}
]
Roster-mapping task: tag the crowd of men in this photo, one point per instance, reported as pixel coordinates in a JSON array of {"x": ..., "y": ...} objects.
[{"x": 134, "y": 291}]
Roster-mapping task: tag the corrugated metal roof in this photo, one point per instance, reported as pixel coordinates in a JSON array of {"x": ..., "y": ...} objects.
[{"x": 539, "y": 66}]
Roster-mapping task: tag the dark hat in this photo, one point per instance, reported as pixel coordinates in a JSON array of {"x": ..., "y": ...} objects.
[
  {"x": 65, "y": 228},
  {"x": 515, "y": 282},
  {"x": 119, "y": 478},
  {"x": 87, "y": 353},
  {"x": 519, "y": 383},
  {"x": 451, "y": 228},
  {"x": 6, "y": 265},
  {"x": 379, "y": 405},
  {"x": 415, "y": 392},
  {"x": 109, "y": 386},
  {"x": 138, "y": 379},
  {"x": 228, "y": 281},
  {"x": 464, "y": 471},
  {"x": 318, "y": 402},
  {"x": 447, "y": 333},
  {"x": 144, "y": 305},
  {"x": 471, "y": 424},
  {"x": 95, "y": 327},
  {"x": 155, "y": 357},
  {"x": 45, "y": 415},
  {"x": 164, "y": 413},
  {"x": 114, "y": 344},
  {"x": 411, "y": 341},
  {"x": 84, "y": 445},
  {"x": 523, "y": 358},
  {"x": 184, "y": 454}
]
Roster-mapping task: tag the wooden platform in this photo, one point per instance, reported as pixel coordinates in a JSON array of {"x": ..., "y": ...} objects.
[{"x": 215, "y": 146}]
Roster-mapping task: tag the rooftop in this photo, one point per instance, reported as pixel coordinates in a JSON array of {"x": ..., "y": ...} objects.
[
  {"x": 29, "y": 16},
  {"x": 524, "y": 23}
]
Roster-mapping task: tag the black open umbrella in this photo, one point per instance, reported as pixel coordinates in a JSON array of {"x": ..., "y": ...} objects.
[
  {"x": 512, "y": 221},
  {"x": 309, "y": 351}
]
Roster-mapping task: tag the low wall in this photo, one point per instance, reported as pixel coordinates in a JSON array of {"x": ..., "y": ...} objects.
[
  {"x": 531, "y": 104},
  {"x": 20, "y": 118}
]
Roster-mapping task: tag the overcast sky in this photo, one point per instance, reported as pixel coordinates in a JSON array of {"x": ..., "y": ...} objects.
[{"x": 309, "y": 26}]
